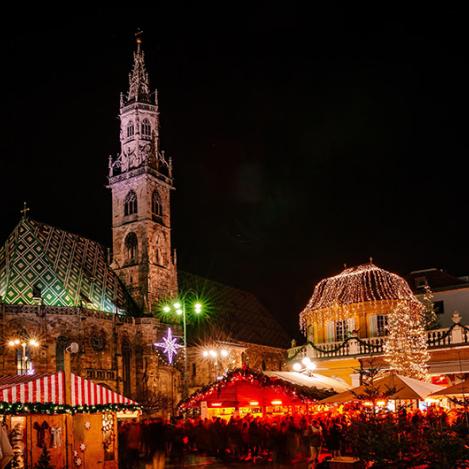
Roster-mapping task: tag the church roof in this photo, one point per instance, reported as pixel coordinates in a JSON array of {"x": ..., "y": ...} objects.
[
  {"x": 39, "y": 262},
  {"x": 236, "y": 315}
]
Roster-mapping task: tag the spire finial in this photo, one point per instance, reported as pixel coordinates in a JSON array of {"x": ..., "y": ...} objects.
[
  {"x": 138, "y": 39},
  {"x": 371, "y": 260},
  {"x": 25, "y": 210}
]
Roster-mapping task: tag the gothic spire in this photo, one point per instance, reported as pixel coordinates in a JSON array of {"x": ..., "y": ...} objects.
[{"x": 139, "y": 87}]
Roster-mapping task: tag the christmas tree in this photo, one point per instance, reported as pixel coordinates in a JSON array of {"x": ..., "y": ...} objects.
[
  {"x": 406, "y": 344},
  {"x": 430, "y": 319},
  {"x": 44, "y": 460}
]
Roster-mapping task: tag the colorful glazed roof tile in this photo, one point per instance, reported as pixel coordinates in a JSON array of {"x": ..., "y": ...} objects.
[{"x": 39, "y": 262}]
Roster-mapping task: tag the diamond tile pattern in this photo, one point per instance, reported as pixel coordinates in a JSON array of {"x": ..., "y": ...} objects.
[{"x": 69, "y": 270}]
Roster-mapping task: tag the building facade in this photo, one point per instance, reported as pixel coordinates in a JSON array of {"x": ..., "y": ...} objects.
[{"x": 58, "y": 287}]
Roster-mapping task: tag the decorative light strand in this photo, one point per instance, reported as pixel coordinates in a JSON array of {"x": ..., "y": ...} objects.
[
  {"x": 406, "y": 347},
  {"x": 343, "y": 295}
]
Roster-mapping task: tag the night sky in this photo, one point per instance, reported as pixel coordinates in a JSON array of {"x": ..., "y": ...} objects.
[{"x": 301, "y": 139}]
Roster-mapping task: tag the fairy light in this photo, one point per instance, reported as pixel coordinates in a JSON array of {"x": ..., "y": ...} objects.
[
  {"x": 342, "y": 296},
  {"x": 406, "y": 347}
]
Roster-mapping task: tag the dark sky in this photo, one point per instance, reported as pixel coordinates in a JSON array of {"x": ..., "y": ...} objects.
[{"x": 301, "y": 139}]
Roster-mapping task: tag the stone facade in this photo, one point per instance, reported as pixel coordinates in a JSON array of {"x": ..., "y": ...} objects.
[{"x": 114, "y": 351}]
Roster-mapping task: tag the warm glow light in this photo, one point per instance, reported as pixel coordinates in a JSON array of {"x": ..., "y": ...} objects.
[
  {"x": 11, "y": 343},
  {"x": 311, "y": 366},
  {"x": 297, "y": 366},
  {"x": 198, "y": 308},
  {"x": 368, "y": 403},
  {"x": 16, "y": 342},
  {"x": 166, "y": 309},
  {"x": 205, "y": 353},
  {"x": 179, "y": 312},
  {"x": 213, "y": 353},
  {"x": 253, "y": 402},
  {"x": 216, "y": 404},
  {"x": 337, "y": 298},
  {"x": 381, "y": 403},
  {"x": 33, "y": 343},
  {"x": 276, "y": 402},
  {"x": 305, "y": 361},
  {"x": 224, "y": 353},
  {"x": 177, "y": 305}
]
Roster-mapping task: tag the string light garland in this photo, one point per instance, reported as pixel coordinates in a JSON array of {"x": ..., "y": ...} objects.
[
  {"x": 340, "y": 297},
  {"x": 304, "y": 394},
  {"x": 53, "y": 409},
  {"x": 406, "y": 347}
]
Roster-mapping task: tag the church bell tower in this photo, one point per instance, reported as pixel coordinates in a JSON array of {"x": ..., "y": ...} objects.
[{"x": 140, "y": 179}]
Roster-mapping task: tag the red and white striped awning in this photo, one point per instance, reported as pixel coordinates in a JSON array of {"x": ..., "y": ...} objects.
[{"x": 51, "y": 389}]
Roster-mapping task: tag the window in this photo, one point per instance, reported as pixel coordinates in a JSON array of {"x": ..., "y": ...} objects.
[
  {"x": 439, "y": 307},
  {"x": 341, "y": 330},
  {"x": 126, "y": 359},
  {"x": 131, "y": 244},
  {"x": 146, "y": 128},
  {"x": 130, "y": 129},
  {"x": 130, "y": 203},
  {"x": 24, "y": 365},
  {"x": 156, "y": 208},
  {"x": 381, "y": 325},
  {"x": 60, "y": 345}
]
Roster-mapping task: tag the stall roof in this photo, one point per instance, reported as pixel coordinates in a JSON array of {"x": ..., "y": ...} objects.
[
  {"x": 315, "y": 380},
  {"x": 455, "y": 390},
  {"x": 403, "y": 386},
  {"x": 50, "y": 389}
]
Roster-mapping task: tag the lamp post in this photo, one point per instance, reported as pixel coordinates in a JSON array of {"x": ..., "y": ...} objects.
[
  {"x": 179, "y": 307},
  {"x": 14, "y": 343}
]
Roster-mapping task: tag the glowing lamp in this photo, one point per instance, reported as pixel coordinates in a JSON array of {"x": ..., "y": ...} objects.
[
  {"x": 166, "y": 309},
  {"x": 311, "y": 366},
  {"x": 198, "y": 308},
  {"x": 306, "y": 361},
  {"x": 205, "y": 353},
  {"x": 368, "y": 403},
  {"x": 33, "y": 343},
  {"x": 381, "y": 403},
  {"x": 253, "y": 402},
  {"x": 276, "y": 402},
  {"x": 16, "y": 342},
  {"x": 213, "y": 353},
  {"x": 297, "y": 366},
  {"x": 216, "y": 404},
  {"x": 224, "y": 353},
  {"x": 11, "y": 343}
]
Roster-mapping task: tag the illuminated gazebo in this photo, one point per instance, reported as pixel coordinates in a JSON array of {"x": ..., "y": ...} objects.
[{"x": 358, "y": 299}]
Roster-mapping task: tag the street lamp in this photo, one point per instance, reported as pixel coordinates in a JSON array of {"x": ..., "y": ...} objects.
[
  {"x": 179, "y": 307},
  {"x": 14, "y": 343},
  {"x": 305, "y": 366}
]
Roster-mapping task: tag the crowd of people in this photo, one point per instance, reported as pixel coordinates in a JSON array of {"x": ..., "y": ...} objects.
[{"x": 313, "y": 439}]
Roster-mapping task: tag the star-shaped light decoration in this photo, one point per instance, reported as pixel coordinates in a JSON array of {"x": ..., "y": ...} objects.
[{"x": 169, "y": 345}]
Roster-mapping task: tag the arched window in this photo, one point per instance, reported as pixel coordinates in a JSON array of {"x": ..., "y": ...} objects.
[
  {"x": 126, "y": 361},
  {"x": 131, "y": 244},
  {"x": 60, "y": 346},
  {"x": 146, "y": 128},
  {"x": 130, "y": 129},
  {"x": 130, "y": 203},
  {"x": 156, "y": 206}
]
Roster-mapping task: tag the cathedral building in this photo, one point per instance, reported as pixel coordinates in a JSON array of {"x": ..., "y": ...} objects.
[{"x": 58, "y": 287}]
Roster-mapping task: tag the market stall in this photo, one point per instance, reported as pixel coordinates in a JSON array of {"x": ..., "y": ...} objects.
[
  {"x": 244, "y": 391},
  {"x": 75, "y": 425},
  {"x": 390, "y": 389}
]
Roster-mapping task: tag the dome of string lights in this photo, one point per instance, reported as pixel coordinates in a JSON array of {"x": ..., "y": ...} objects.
[{"x": 342, "y": 296}]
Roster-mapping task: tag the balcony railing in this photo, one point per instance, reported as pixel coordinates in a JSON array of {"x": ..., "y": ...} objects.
[{"x": 454, "y": 336}]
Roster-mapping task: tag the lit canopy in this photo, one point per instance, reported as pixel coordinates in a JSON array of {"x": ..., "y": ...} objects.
[{"x": 340, "y": 296}]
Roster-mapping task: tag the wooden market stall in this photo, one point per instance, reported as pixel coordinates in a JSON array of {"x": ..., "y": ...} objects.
[
  {"x": 77, "y": 423},
  {"x": 244, "y": 391}
]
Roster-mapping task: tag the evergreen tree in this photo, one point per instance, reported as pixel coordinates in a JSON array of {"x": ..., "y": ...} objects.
[
  {"x": 430, "y": 320},
  {"x": 44, "y": 460},
  {"x": 406, "y": 344}
]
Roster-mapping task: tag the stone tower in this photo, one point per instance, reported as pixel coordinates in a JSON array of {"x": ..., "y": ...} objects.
[{"x": 140, "y": 179}]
